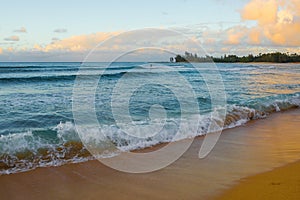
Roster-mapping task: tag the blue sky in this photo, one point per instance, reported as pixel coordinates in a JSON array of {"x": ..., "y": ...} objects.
[
  {"x": 46, "y": 22},
  {"x": 80, "y": 17}
]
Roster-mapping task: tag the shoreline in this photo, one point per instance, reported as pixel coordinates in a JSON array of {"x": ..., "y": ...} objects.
[
  {"x": 243, "y": 151},
  {"x": 229, "y": 124},
  {"x": 279, "y": 183}
]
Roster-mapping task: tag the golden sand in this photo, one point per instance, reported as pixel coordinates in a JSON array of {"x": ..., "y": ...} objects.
[{"x": 280, "y": 183}]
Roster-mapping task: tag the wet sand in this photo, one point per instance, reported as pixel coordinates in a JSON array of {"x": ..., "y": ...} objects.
[{"x": 257, "y": 147}]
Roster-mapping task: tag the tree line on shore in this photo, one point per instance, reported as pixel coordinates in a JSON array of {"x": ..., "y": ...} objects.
[{"x": 276, "y": 57}]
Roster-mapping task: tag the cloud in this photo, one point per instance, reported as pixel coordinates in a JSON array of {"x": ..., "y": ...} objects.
[
  {"x": 76, "y": 48},
  {"x": 55, "y": 39},
  {"x": 78, "y": 43},
  {"x": 1, "y": 50},
  {"x": 21, "y": 30},
  {"x": 254, "y": 36},
  {"x": 235, "y": 35},
  {"x": 262, "y": 11},
  {"x": 10, "y": 49},
  {"x": 277, "y": 23},
  {"x": 82, "y": 43},
  {"x": 13, "y": 38},
  {"x": 37, "y": 47},
  {"x": 60, "y": 30}
]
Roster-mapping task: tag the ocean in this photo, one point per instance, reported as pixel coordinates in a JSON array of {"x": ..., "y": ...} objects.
[{"x": 37, "y": 125}]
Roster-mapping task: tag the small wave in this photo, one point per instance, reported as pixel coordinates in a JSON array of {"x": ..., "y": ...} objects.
[
  {"x": 72, "y": 77},
  {"x": 61, "y": 144},
  {"x": 43, "y": 70},
  {"x": 38, "y": 148},
  {"x": 55, "y": 78},
  {"x": 37, "y": 78}
]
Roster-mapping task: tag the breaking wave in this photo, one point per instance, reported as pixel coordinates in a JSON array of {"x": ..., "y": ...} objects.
[{"x": 61, "y": 144}]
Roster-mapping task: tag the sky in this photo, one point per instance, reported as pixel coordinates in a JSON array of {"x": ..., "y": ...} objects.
[{"x": 68, "y": 30}]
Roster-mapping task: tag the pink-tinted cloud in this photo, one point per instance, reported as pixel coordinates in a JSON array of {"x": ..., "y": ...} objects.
[
  {"x": 254, "y": 36},
  {"x": 78, "y": 43},
  {"x": 235, "y": 35},
  {"x": 262, "y": 11},
  {"x": 278, "y": 23}
]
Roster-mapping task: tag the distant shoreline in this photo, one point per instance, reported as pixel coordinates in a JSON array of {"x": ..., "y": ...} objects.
[
  {"x": 275, "y": 57},
  {"x": 241, "y": 62}
]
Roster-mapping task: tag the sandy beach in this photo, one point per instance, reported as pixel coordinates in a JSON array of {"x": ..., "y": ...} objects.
[
  {"x": 280, "y": 183},
  {"x": 257, "y": 147}
]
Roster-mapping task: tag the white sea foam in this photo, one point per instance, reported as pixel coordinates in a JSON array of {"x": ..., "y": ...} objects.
[{"x": 111, "y": 140}]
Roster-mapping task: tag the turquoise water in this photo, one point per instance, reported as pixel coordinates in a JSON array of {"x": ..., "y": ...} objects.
[{"x": 37, "y": 124}]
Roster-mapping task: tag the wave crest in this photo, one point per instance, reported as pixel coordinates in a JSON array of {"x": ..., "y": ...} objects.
[{"x": 61, "y": 144}]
